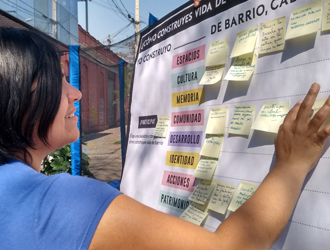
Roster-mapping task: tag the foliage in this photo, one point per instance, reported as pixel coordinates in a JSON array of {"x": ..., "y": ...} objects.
[{"x": 59, "y": 161}]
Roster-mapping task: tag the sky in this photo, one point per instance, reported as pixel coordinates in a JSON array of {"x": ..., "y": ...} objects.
[{"x": 104, "y": 18}]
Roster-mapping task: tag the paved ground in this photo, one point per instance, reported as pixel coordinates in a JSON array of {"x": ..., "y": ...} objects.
[{"x": 105, "y": 163}]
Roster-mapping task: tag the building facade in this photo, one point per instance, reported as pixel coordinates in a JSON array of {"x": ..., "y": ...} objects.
[{"x": 56, "y": 18}]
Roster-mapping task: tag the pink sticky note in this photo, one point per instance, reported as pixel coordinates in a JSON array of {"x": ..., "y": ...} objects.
[
  {"x": 188, "y": 118},
  {"x": 188, "y": 57},
  {"x": 178, "y": 180}
]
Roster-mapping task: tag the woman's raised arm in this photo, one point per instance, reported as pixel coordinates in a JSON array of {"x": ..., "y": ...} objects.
[{"x": 127, "y": 224}]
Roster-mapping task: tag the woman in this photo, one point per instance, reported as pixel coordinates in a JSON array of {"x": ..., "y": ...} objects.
[{"x": 67, "y": 212}]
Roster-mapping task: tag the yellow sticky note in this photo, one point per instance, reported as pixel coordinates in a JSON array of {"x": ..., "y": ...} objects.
[
  {"x": 205, "y": 168},
  {"x": 242, "y": 68},
  {"x": 188, "y": 97},
  {"x": 217, "y": 121},
  {"x": 304, "y": 20},
  {"x": 202, "y": 191},
  {"x": 244, "y": 192},
  {"x": 272, "y": 36},
  {"x": 221, "y": 197},
  {"x": 212, "y": 75},
  {"x": 317, "y": 105},
  {"x": 161, "y": 126},
  {"x": 182, "y": 159},
  {"x": 212, "y": 146},
  {"x": 245, "y": 42},
  {"x": 193, "y": 214},
  {"x": 326, "y": 16},
  {"x": 217, "y": 54},
  {"x": 202, "y": 207},
  {"x": 271, "y": 116},
  {"x": 242, "y": 119}
]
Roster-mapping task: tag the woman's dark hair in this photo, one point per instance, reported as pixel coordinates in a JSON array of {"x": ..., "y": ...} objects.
[{"x": 30, "y": 90}]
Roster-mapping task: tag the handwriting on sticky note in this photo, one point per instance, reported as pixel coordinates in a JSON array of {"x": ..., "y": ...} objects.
[
  {"x": 217, "y": 53},
  {"x": 202, "y": 191},
  {"x": 212, "y": 146},
  {"x": 205, "y": 168},
  {"x": 245, "y": 42},
  {"x": 217, "y": 121},
  {"x": 161, "y": 126},
  {"x": 244, "y": 192},
  {"x": 271, "y": 116},
  {"x": 304, "y": 20},
  {"x": 272, "y": 36},
  {"x": 221, "y": 197},
  {"x": 326, "y": 16},
  {"x": 212, "y": 75},
  {"x": 242, "y": 119},
  {"x": 242, "y": 68},
  {"x": 194, "y": 214}
]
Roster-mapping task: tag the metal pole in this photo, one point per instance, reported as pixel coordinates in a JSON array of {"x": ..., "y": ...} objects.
[
  {"x": 122, "y": 108},
  {"x": 55, "y": 19},
  {"x": 137, "y": 24},
  {"x": 86, "y": 15}
]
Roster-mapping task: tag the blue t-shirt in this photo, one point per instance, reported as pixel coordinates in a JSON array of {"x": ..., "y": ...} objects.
[{"x": 55, "y": 212}]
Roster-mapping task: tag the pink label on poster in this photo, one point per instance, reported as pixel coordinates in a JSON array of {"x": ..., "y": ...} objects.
[
  {"x": 178, "y": 180},
  {"x": 188, "y": 57},
  {"x": 188, "y": 118}
]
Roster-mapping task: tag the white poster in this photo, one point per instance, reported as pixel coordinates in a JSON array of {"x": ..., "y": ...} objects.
[{"x": 171, "y": 61}]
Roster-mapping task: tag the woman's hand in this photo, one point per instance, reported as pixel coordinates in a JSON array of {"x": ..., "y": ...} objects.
[{"x": 299, "y": 142}]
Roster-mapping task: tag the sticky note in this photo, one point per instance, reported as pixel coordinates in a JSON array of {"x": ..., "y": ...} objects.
[
  {"x": 212, "y": 146},
  {"x": 271, "y": 116},
  {"x": 187, "y": 77},
  {"x": 326, "y": 16},
  {"x": 205, "y": 168},
  {"x": 182, "y": 159},
  {"x": 161, "y": 126},
  {"x": 202, "y": 191},
  {"x": 203, "y": 207},
  {"x": 194, "y": 215},
  {"x": 242, "y": 119},
  {"x": 316, "y": 106},
  {"x": 212, "y": 75},
  {"x": 178, "y": 180},
  {"x": 304, "y": 20},
  {"x": 244, "y": 192},
  {"x": 242, "y": 68},
  {"x": 217, "y": 121},
  {"x": 221, "y": 197},
  {"x": 217, "y": 54},
  {"x": 272, "y": 36},
  {"x": 188, "y": 98},
  {"x": 245, "y": 42}
]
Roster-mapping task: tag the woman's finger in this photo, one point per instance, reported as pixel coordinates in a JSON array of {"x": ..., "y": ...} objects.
[
  {"x": 324, "y": 134},
  {"x": 307, "y": 104},
  {"x": 318, "y": 119},
  {"x": 292, "y": 114}
]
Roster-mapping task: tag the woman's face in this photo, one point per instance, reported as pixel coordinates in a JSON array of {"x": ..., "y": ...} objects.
[{"x": 64, "y": 129}]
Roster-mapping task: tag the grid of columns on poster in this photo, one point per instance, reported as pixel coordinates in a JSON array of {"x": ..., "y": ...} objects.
[
  {"x": 208, "y": 193},
  {"x": 209, "y": 95}
]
